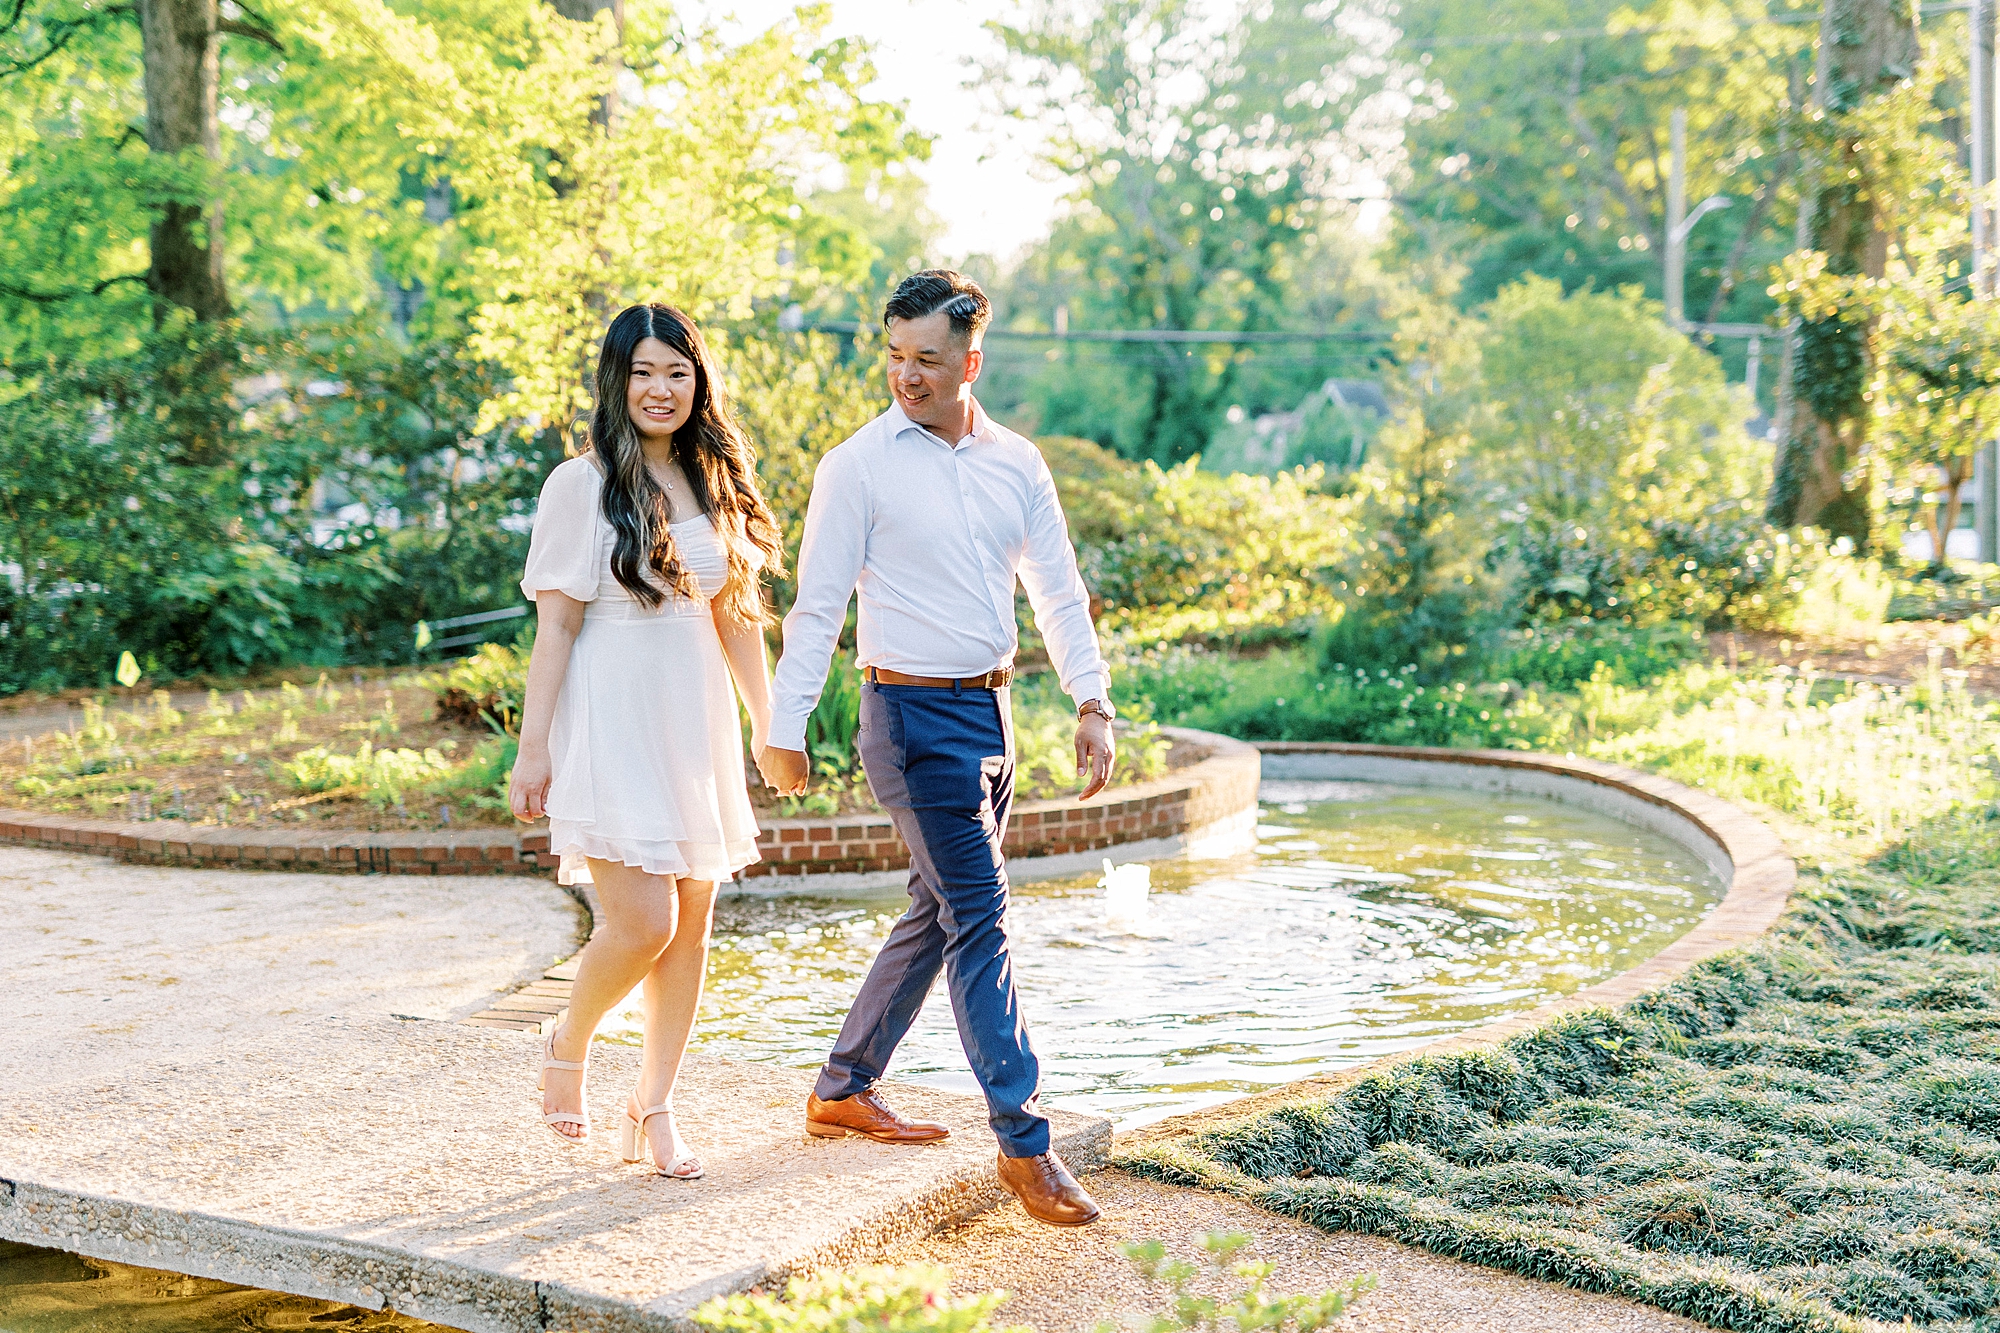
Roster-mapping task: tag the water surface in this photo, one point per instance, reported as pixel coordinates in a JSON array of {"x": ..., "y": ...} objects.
[
  {"x": 1369, "y": 919},
  {"x": 49, "y": 1291}
]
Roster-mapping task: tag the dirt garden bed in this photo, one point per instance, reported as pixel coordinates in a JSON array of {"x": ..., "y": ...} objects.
[{"x": 410, "y": 750}]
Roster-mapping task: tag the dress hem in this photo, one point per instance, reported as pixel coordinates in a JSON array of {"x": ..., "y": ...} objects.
[{"x": 680, "y": 858}]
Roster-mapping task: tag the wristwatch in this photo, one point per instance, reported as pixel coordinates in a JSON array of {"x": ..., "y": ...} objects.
[{"x": 1101, "y": 707}]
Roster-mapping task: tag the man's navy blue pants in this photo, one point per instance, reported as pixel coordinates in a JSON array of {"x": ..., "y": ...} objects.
[{"x": 941, "y": 762}]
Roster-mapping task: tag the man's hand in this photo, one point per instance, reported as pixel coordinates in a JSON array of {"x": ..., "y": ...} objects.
[
  {"x": 785, "y": 771},
  {"x": 1095, "y": 753}
]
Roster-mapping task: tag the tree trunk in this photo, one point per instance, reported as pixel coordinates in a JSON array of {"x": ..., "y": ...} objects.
[
  {"x": 181, "y": 45},
  {"x": 1944, "y": 515},
  {"x": 1866, "y": 47},
  {"x": 583, "y": 11}
]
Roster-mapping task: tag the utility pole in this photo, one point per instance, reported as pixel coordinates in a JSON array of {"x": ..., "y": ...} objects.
[{"x": 1986, "y": 463}]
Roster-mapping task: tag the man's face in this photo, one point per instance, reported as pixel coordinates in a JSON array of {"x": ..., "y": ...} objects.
[{"x": 930, "y": 370}]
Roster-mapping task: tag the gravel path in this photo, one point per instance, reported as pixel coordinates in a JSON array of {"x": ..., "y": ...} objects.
[
  {"x": 1068, "y": 1280},
  {"x": 65, "y": 717}
]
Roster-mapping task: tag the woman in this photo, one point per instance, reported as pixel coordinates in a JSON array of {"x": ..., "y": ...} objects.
[{"x": 645, "y": 571}]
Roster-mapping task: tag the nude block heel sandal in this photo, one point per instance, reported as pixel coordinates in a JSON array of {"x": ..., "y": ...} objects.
[
  {"x": 632, "y": 1144},
  {"x": 579, "y": 1117}
]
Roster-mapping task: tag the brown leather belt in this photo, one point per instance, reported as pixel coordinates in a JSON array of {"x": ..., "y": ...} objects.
[{"x": 992, "y": 680}]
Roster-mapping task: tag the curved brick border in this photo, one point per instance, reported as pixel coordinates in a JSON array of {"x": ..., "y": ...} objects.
[
  {"x": 1749, "y": 857},
  {"x": 1212, "y": 798},
  {"x": 168, "y": 842},
  {"x": 1208, "y": 806}
]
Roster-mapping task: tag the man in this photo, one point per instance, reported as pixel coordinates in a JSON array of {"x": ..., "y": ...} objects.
[{"x": 932, "y": 511}]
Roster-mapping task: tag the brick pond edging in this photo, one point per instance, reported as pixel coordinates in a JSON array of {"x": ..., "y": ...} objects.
[
  {"x": 1211, "y": 801},
  {"x": 1207, "y": 804},
  {"x": 1745, "y": 853},
  {"x": 1210, "y": 806},
  {"x": 169, "y": 842}
]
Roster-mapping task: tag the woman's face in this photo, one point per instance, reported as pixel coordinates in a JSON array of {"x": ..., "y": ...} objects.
[{"x": 659, "y": 397}]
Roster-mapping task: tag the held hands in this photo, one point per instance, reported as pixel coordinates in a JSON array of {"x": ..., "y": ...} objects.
[
  {"x": 528, "y": 788},
  {"x": 785, "y": 771},
  {"x": 1095, "y": 753}
]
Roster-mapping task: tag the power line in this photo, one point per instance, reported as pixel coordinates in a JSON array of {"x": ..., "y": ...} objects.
[{"x": 1151, "y": 335}]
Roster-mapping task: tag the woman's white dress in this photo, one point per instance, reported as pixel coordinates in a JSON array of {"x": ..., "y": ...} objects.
[{"x": 645, "y": 746}]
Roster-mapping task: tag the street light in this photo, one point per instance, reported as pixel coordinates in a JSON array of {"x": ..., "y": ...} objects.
[
  {"x": 1701, "y": 210},
  {"x": 1680, "y": 222}
]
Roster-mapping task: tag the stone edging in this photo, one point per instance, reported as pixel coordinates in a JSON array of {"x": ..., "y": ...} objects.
[
  {"x": 1210, "y": 798},
  {"x": 1750, "y": 857}
]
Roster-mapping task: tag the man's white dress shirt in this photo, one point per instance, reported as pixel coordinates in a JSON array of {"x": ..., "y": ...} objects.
[{"x": 933, "y": 535}]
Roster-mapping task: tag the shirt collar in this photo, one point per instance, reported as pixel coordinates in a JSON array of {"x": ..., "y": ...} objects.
[{"x": 982, "y": 425}]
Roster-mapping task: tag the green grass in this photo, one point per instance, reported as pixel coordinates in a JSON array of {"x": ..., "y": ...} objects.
[
  {"x": 1850, "y": 760},
  {"x": 1793, "y": 1136},
  {"x": 1290, "y": 695}
]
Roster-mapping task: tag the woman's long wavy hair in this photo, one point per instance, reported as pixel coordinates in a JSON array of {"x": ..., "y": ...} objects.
[{"x": 713, "y": 452}]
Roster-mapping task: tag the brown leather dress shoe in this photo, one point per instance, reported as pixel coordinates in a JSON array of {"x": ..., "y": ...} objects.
[
  {"x": 1047, "y": 1190},
  {"x": 865, "y": 1114}
]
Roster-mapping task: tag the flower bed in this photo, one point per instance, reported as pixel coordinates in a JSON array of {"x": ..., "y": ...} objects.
[
  {"x": 413, "y": 751},
  {"x": 375, "y": 756}
]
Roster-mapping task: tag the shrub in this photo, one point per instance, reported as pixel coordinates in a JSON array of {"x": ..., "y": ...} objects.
[
  {"x": 145, "y": 510},
  {"x": 1245, "y": 1310},
  {"x": 486, "y": 688},
  {"x": 482, "y": 779},
  {"x": 1174, "y": 554},
  {"x": 831, "y": 729},
  {"x": 1865, "y": 758},
  {"x": 380, "y": 776},
  {"x": 1565, "y": 654},
  {"x": 880, "y": 1299},
  {"x": 1281, "y": 697},
  {"x": 1837, "y": 597}
]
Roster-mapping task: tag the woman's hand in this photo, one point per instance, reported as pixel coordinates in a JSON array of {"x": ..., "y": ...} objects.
[
  {"x": 785, "y": 771},
  {"x": 528, "y": 788},
  {"x": 559, "y": 618}
]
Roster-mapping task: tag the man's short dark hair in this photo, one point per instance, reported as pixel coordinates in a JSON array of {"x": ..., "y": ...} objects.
[{"x": 944, "y": 289}]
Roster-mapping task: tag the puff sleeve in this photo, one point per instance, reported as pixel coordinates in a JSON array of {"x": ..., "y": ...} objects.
[{"x": 563, "y": 552}]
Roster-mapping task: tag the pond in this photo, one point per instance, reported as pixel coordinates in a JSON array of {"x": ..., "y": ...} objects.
[
  {"x": 1369, "y": 919},
  {"x": 48, "y": 1291}
]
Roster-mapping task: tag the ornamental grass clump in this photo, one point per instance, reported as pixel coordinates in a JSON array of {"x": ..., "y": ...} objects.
[{"x": 1795, "y": 1136}]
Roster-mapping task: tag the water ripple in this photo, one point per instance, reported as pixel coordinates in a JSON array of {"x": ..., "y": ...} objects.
[{"x": 1371, "y": 919}]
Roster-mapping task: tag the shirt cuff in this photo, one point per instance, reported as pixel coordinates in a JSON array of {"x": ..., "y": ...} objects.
[
  {"x": 787, "y": 733},
  {"x": 1096, "y": 685}
]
